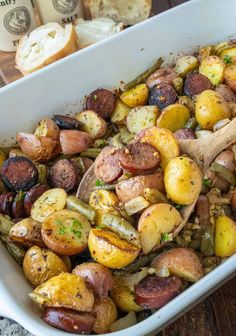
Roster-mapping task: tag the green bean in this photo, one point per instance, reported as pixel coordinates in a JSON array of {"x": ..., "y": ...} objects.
[
  {"x": 122, "y": 227},
  {"x": 224, "y": 172},
  {"x": 126, "y": 216},
  {"x": 126, "y": 136},
  {"x": 74, "y": 203},
  {"x": 5, "y": 225},
  {"x": 16, "y": 251},
  {"x": 116, "y": 141},
  {"x": 144, "y": 76},
  {"x": 208, "y": 245},
  {"x": 91, "y": 152},
  {"x": 43, "y": 172},
  {"x": 191, "y": 123},
  {"x": 99, "y": 143},
  {"x": 79, "y": 163}
]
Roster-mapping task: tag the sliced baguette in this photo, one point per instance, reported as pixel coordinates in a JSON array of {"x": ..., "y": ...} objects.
[
  {"x": 45, "y": 45},
  {"x": 92, "y": 31},
  {"x": 129, "y": 12}
]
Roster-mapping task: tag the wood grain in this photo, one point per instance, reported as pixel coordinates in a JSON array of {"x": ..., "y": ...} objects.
[{"x": 216, "y": 316}]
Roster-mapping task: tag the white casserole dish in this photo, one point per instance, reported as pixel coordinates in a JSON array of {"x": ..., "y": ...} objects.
[{"x": 61, "y": 87}]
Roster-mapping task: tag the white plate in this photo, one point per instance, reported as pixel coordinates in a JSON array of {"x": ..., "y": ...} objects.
[{"x": 62, "y": 86}]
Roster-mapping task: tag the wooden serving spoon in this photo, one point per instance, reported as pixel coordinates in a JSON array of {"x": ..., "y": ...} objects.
[{"x": 203, "y": 151}]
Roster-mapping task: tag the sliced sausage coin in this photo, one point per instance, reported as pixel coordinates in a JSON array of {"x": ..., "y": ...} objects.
[
  {"x": 19, "y": 173},
  {"x": 101, "y": 101},
  {"x": 162, "y": 95}
]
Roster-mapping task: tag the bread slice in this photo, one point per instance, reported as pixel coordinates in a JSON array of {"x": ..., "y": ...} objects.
[
  {"x": 46, "y": 44},
  {"x": 92, "y": 31},
  {"x": 127, "y": 11}
]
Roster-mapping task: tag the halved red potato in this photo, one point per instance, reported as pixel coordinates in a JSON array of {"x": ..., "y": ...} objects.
[
  {"x": 38, "y": 148},
  {"x": 66, "y": 232},
  {"x": 74, "y": 142},
  {"x": 179, "y": 261},
  {"x": 48, "y": 128},
  {"x": 156, "y": 220},
  {"x": 92, "y": 123}
]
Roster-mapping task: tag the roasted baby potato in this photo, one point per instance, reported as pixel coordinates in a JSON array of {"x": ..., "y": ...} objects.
[
  {"x": 186, "y": 64},
  {"x": 225, "y": 237},
  {"x": 229, "y": 55},
  {"x": 50, "y": 201},
  {"x": 157, "y": 219},
  {"x": 66, "y": 291},
  {"x": 179, "y": 261},
  {"x": 135, "y": 186},
  {"x": 183, "y": 180},
  {"x": 136, "y": 96},
  {"x": 142, "y": 117},
  {"x": 120, "y": 113},
  {"x": 173, "y": 117},
  {"x": 104, "y": 201},
  {"x": 38, "y": 148},
  {"x": 74, "y": 142},
  {"x": 163, "y": 140},
  {"x": 106, "y": 314},
  {"x": 213, "y": 68},
  {"x": 230, "y": 76},
  {"x": 47, "y": 128},
  {"x": 123, "y": 297},
  {"x": 27, "y": 232},
  {"x": 211, "y": 108},
  {"x": 40, "y": 265},
  {"x": 154, "y": 196},
  {"x": 92, "y": 123},
  {"x": 65, "y": 232},
  {"x": 108, "y": 249},
  {"x": 97, "y": 277}
]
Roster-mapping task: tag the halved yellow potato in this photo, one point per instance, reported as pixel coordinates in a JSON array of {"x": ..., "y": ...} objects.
[
  {"x": 230, "y": 76},
  {"x": 120, "y": 113},
  {"x": 93, "y": 124},
  {"x": 104, "y": 201},
  {"x": 123, "y": 297},
  {"x": 213, "y": 68},
  {"x": 65, "y": 232},
  {"x": 50, "y": 201},
  {"x": 210, "y": 108},
  {"x": 108, "y": 249},
  {"x": 225, "y": 236},
  {"x": 174, "y": 117},
  {"x": 48, "y": 128},
  {"x": 157, "y": 219},
  {"x": 186, "y": 64},
  {"x": 229, "y": 55},
  {"x": 183, "y": 180},
  {"x": 164, "y": 140},
  {"x": 106, "y": 314},
  {"x": 179, "y": 261},
  {"x": 142, "y": 117},
  {"x": 136, "y": 96},
  {"x": 64, "y": 290}
]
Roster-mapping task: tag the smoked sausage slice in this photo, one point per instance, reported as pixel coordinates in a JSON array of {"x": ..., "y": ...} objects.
[
  {"x": 195, "y": 84},
  {"x": 64, "y": 174},
  {"x": 19, "y": 173},
  {"x": 107, "y": 166},
  {"x": 69, "y": 320},
  {"x": 154, "y": 292},
  {"x": 185, "y": 134},
  {"x": 66, "y": 122},
  {"x": 101, "y": 101},
  {"x": 139, "y": 158},
  {"x": 6, "y": 201}
]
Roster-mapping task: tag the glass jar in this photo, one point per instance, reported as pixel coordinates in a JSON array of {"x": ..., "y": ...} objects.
[
  {"x": 16, "y": 19},
  {"x": 61, "y": 11}
]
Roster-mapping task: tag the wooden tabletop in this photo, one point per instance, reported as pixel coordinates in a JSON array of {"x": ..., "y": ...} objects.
[{"x": 216, "y": 316}]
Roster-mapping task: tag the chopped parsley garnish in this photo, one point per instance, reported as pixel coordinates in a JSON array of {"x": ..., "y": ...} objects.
[
  {"x": 95, "y": 97},
  {"x": 178, "y": 206},
  {"x": 62, "y": 230},
  {"x": 75, "y": 228},
  {"x": 206, "y": 182},
  {"x": 99, "y": 183},
  {"x": 20, "y": 196},
  {"x": 227, "y": 59},
  {"x": 166, "y": 237}
]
